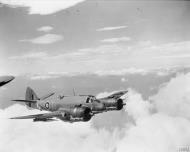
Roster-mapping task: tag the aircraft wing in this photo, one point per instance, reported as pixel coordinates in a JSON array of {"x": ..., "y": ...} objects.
[
  {"x": 47, "y": 96},
  {"x": 40, "y": 116},
  {"x": 116, "y": 95}
]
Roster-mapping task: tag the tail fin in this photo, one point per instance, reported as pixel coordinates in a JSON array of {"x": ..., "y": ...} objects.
[
  {"x": 31, "y": 99},
  {"x": 30, "y": 94}
]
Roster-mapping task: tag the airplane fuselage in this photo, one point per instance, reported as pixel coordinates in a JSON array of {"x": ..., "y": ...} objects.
[{"x": 51, "y": 105}]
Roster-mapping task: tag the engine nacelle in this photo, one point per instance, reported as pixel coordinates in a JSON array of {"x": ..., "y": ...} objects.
[
  {"x": 82, "y": 112},
  {"x": 78, "y": 113},
  {"x": 113, "y": 104},
  {"x": 119, "y": 104}
]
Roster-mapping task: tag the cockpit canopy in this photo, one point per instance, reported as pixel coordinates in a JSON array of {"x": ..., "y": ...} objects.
[{"x": 91, "y": 99}]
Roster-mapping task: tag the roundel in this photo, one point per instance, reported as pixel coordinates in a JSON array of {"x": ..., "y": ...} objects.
[{"x": 47, "y": 105}]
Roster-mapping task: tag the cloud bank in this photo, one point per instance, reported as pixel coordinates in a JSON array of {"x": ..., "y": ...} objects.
[
  {"x": 45, "y": 39},
  {"x": 109, "y": 59},
  {"x": 37, "y": 6},
  {"x": 158, "y": 124},
  {"x": 45, "y": 28},
  {"x": 116, "y": 39},
  {"x": 111, "y": 28},
  {"x": 32, "y": 55},
  {"x": 174, "y": 98}
]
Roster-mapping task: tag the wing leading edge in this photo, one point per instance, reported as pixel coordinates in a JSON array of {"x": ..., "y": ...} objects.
[
  {"x": 40, "y": 116},
  {"x": 116, "y": 95}
]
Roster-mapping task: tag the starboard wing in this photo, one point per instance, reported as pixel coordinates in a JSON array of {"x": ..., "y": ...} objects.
[{"x": 116, "y": 95}]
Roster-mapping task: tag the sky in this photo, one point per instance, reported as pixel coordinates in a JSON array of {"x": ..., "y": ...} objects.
[
  {"x": 97, "y": 47},
  {"x": 93, "y": 36}
]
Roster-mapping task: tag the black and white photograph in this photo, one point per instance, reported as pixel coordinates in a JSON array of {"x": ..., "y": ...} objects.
[{"x": 94, "y": 76}]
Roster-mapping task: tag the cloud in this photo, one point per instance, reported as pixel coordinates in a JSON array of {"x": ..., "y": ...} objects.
[
  {"x": 155, "y": 128},
  {"x": 174, "y": 56},
  {"x": 45, "y": 39},
  {"x": 122, "y": 72},
  {"x": 32, "y": 55},
  {"x": 51, "y": 136},
  {"x": 116, "y": 59},
  {"x": 158, "y": 130},
  {"x": 156, "y": 133},
  {"x": 45, "y": 28},
  {"x": 174, "y": 97},
  {"x": 50, "y": 75},
  {"x": 111, "y": 28},
  {"x": 44, "y": 77},
  {"x": 150, "y": 128},
  {"x": 136, "y": 106},
  {"x": 53, "y": 75},
  {"x": 117, "y": 39},
  {"x": 123, "y": 79},
  {"x": 37, "y": 6}
]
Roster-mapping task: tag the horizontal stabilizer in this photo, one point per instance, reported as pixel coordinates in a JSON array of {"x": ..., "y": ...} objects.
[{"x": 27, "y": 101}]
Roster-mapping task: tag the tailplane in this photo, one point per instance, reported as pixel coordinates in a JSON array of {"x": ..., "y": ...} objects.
[
  {"x": 30, "y": 94},
  {"x": 31, "y": 98}
]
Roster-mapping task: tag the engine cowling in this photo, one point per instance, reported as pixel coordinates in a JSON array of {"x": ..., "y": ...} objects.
[
  {"x": 113, "y": 104},
  {"x": 79, "y": 113},
  {"x": 119, "y": 104},
  {"x": 82, "y": 112}
]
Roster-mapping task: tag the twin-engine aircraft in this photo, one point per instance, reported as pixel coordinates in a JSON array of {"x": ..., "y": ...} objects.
[{"x": 70, "y": 112}]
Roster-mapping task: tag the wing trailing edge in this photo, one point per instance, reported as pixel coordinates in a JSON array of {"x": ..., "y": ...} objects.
[{"x": 39, "y": 116}]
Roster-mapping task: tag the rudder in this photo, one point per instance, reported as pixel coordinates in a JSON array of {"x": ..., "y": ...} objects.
[{"x": 30, "y": 95}]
